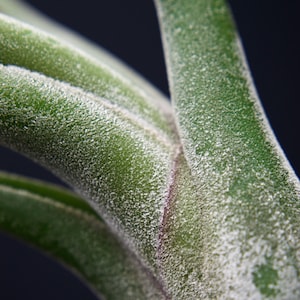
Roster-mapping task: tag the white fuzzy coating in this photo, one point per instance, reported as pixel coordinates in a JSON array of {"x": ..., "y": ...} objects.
[
  {"x": 101, "y": 261},
  {"x": 243, "y": 234},
  {"x": 241, "y": 219},
  {"x": 39, "y": 51},
  {"x": 110, "y": 156}
]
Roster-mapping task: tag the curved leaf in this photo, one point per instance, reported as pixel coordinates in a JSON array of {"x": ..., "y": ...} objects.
[
  {"x": 42, "y": 189},
  {"x": 249, "y": 213},
  {"x": 27, "y": 47},
  {"x": 110, "y": 156},
  {"x": 62, "y": 225},
  {"x": 225, "y": 225},
  {"x": 26, "y": 13}
]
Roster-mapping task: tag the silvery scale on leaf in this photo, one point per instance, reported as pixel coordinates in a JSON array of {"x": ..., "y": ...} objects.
[{"x": 188, "y": 199}]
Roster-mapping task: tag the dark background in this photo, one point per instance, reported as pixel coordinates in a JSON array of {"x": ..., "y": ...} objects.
[{"x": 270, "y": 34}]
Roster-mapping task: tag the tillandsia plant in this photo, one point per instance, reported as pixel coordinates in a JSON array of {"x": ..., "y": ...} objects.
[{"x": 192, "y": 199}]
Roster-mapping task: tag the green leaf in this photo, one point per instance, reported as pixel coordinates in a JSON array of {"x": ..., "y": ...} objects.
[
  {"x": 111, "y": 157},
  {"x": 20, "y": 43},
  {"x": 224, "y": 223},
  {"x": 28, "y": 14},
  {"x": 65, "y": 227},
  {"x": 47, "y": 191},
  {"x": 113, "y": 179},
  {"x": 249, "y": 218}
]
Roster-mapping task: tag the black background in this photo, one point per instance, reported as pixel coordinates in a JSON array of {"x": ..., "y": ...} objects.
[{"x": 270, "y": 34}]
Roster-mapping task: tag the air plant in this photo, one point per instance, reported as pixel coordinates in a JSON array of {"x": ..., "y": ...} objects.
[{"x": 192, "y": 199}]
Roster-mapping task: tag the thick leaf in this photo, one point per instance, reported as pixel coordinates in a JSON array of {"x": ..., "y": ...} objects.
[
  {"x": 248, "y": 219},
  {"x": 65, "y": 227},
  {"x": 24, "y": 12},
  {"x": 27, "y": 47},
  {"x": 224, "y": 226},
  {"x": 113, "y": 158},
  {"x": 47, "y": 191}
]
